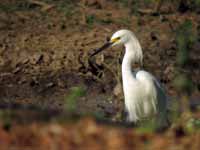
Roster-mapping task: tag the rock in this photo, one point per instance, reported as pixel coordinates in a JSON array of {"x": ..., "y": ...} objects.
[
  {"x": 16, "y": 70},
  {"x": 100, "y": 59},
  {"x": 117, "y": 91},
  {"x": 49, "y": 85}
]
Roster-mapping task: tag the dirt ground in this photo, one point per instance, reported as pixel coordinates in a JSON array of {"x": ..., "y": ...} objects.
[{"x": 44, "y": 49}]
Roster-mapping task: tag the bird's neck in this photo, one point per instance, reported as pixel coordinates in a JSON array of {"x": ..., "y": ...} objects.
[
  {"x": 133, "y": 54},
  {"x": 134, "y": 50}
]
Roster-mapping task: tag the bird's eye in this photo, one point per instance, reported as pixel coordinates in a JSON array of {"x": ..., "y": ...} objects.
[{"x": 115, "y": 39}]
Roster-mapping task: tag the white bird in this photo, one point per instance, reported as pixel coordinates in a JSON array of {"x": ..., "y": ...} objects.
[{"x": 144, "y": 95}]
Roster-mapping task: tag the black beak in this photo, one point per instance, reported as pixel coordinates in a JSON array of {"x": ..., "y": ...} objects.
[{"x": 96, "y": 51}]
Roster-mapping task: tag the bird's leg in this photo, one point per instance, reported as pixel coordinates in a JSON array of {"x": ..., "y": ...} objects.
[
  {"x": 125, "y": 115},
  {"x": 125, "y": 119}
]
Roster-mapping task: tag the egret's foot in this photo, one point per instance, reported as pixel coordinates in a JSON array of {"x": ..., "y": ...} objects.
[
  {"x": 124, "y": 116},
  {"x": 125, "y": 120}
]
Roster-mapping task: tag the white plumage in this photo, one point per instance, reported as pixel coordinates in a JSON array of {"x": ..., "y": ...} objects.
[{"x": 144, "y": 95}]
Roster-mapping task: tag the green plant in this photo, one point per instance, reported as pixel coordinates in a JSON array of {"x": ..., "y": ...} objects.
[
  {"x": 90, "y": 20},
  {"x": 182, "y": 82},
  {"x": 6, "y": 118},
  {"x": 193, "y": 125},
  {"x": 147, "y": 126},
  {"x": 184, "y": 38},
  {"x": 67, "y": 7},
  {"x": 71, "y": 100}
]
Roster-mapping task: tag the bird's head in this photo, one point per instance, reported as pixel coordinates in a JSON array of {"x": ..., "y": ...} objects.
[{"x": 120, "y": 37}]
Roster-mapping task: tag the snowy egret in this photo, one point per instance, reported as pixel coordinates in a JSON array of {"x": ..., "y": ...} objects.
[{"x": 144, "y": 95}]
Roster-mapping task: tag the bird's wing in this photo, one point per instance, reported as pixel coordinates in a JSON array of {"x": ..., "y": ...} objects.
[{"x": 149, "y": 79}]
